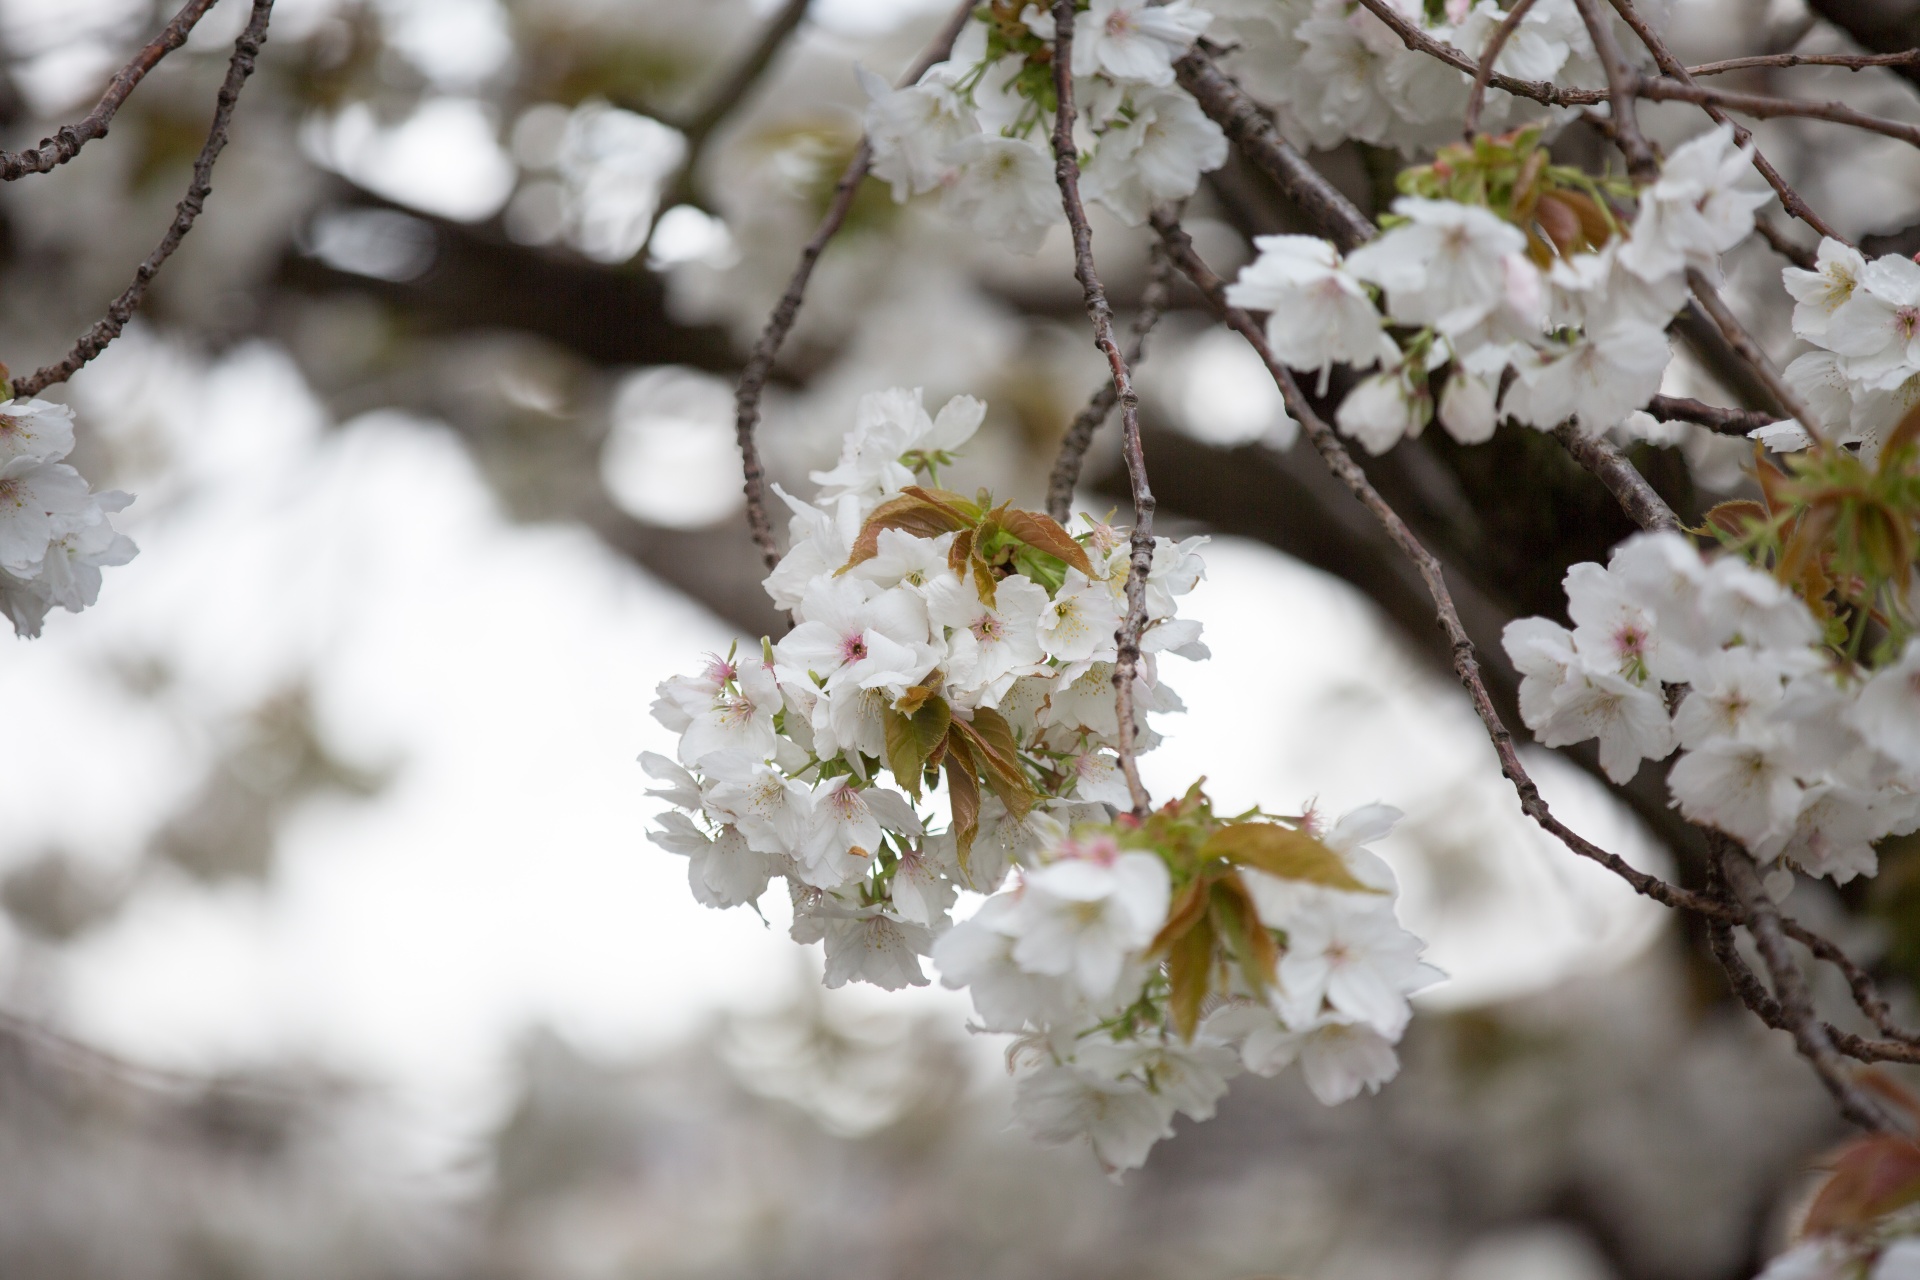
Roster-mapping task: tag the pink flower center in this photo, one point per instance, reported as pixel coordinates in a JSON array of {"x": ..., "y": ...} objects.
[
  {"x": 733, "y": 711},
  {"x": 1630, "y": 641},
  {"x": 1120, "y": 23},
  {"x": 719, "y": 670},
  {"x": 853, "y": 648},
  {"x": 1906, "y": 320},
  {"x": 847, "y": 805},
  {"x": 987, "y": 629}
]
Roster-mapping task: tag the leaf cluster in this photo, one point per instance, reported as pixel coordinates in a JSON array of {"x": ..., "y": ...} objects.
[
  {"x": 1842, "y": 533},
  {"x": 1561, "y": 209},
  {"x": 1213, "y": 928}
]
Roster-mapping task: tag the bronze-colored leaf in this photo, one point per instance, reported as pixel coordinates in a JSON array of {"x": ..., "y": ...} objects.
[
  {"x": 912, "y": 740},
  {"x": 1189, "y": 974},
  {"x": 990, "y": 742},
  {"x": 1187, "y": 910},
  {"x": 960, "y": 551},
  {"x": 1043, "y": 533},
  {"x": 1872, "y": 1177},
  {"x": 912, "y": 512},
  {"x": 1739, "y": 517},
  {"x": 1234, "y": 916},
  {"x": 983, "y": 579},
  {"x": 1899, "y": 438},
  {"x": 1281, "y": 851},
  {"x": 963, "y": 797}
]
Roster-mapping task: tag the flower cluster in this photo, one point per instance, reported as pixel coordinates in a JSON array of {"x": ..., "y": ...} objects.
[
  {"x": 975, "y": 127},
  {"x": 1797, "y": 751},
  {"x": 1500, "y": 262},
  {"x": 946, "y": 646},
  {"x": 1337, "y": 72},
  {"x": 1864, "y": 318},
  {"x": 54, "y": 533},
  {"x": 1142, "y": 965}
]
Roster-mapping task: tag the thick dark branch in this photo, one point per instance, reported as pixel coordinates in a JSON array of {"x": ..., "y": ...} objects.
[
  {"x": 1810, "y": 1035},
  {"x": 245, "y": 51},
  {"x": 1727, "y": 422},
  {"x": 1465, "y": 661},
  {"x": 1623, "y": 480},
  {"x": 1066, "y": 171},
  {"x": 1882, "y": 26},
  {"x": 753, "y": 379},
  {"x": 66, "y": 141},
  {"x": 1249, "y": 128},
  {"x": 1073, "y": 445}
]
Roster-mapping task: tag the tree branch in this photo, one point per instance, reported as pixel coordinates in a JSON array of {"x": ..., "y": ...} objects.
[
  {"x": 1726, "y": 422},
  {"x": 1477, "y": 98},
  {"x": 1637, "y": 498},
  {"x": 1784, "y": 396},
  {"x": 245, "y": 50},
  {"x": 1066, "y": 171},
  {"x": 753, "y": 379},
  {"x": 66, "y": 141},
  {"x": 1073, "y": 446}
]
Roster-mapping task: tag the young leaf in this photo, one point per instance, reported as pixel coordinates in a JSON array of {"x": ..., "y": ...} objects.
[
  {"x": 1279, "y": 851},
  {"x": 1189, "y": 973},
  {"x": 1042, "y": 532},
  {"x": 1872, "y": 1177},
  {"x": 1188, "y": 910},
  {"x": 990, "y": 742},
  {"x": 913, "y": 739},
  {"x": 912, "y": 512},
  {"x": 1234, "y": 916},
  {"x": 963, "y": 794},
  {"x": 1739, "y": 517}
]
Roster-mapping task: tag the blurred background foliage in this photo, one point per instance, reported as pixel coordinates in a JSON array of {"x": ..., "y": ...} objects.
[{"x": 549, "y": 230}]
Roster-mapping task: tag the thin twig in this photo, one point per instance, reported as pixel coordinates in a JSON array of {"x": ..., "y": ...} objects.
[
  {"x": 1790, "y": 199},
  {"x": 1066, "y": 171},
  {"x": 753, "y": 379},
  {"x": 1726, "y": 422},
  {"x": 1865, "y": 994},
  {"x": 1622, "y": 83},
  {"x": 1763, "y": 106},
  {"x": 1851, "y": 61},
  {"x": 1788, "y": 400},
  {"x": 1790, "y": 988},
  {"x": 1477, "y": 99},
  {"x": 1637, "y": 498},
  {"x": 1465, "y": 663},
  {"x": 1073, "y": 445},
  {"x": 66, "y": 141},
  {"x": 245, "y": 51},
  {"x": 1250, "y": 128}
]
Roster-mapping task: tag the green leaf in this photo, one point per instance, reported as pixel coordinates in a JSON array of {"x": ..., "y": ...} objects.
[
  {"x": 1234, "y": 917},
  {"x": 1281, "y": 851},
  {"x": 913, "y": 739}
]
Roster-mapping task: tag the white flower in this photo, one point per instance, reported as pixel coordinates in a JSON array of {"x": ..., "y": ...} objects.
[
  {"x": 772, "y": 811},
  {"x": 1887, "y": 712},
  {"x": 1820, "y": 379},
  {"x": 1822, "y": 291},
  {"x": 855, "y": 635},
  {"x": 888, "y": 426},
  {"x": 36, "y": 429},
  {"x": 1157, "y": 156},
  {"x": 1745, "y": 788},
  {"x": 1087, "y": 916},
  {"x": 1096, "y": 778},
  {"x": 842, "y": 836},
  {"x": 1629, "y": 719},
  {"x": 870, "y": 946},
  {"x": 912, "y": 130},
  {"x": 923, "y": 887},
  {"x": 1003, "y": 190},
  {"x": 1444, "y": 267},
  {"x": 81, "y": 546},
  {"x": 1355, "y": 957},
  {"x": 1817, "y": 1258},
  {"x": 978, "y": 954},
  {"x": 1467, "y": 407},
  {"x": 1079, "y": 623},
  {"x": 681, "y": 789},
  {"x": 1832, "y": 835},
  {"x": 1599, "y": 378},
  {"x": 818, "y": 543},
  {"x": 902, "y": 560},
  {"x": 1131, "y": 40},
  {"x": 1189, "y": 1078},
  {"x": 1614, "y": 629},
  {"x": 1701, "y": 206},
  {"x": 1318, "y": 313},
  {"x": 32, "y": 494},
  {"x": 1120, "y": 1118},
  {"x": 721, "y": 718},
  {"x": 1730, "y": 698},
  {"x": 1176, "y": 570},
  {"x": 722, "y": 871},
  {"x": 1338, "y": 1058},
  {"x": 991, "y": 646},
  {"x": 1878, "y": 327},
  {"x": 1542, "y": 652},
  {"x": 1383, "y": 409}
]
